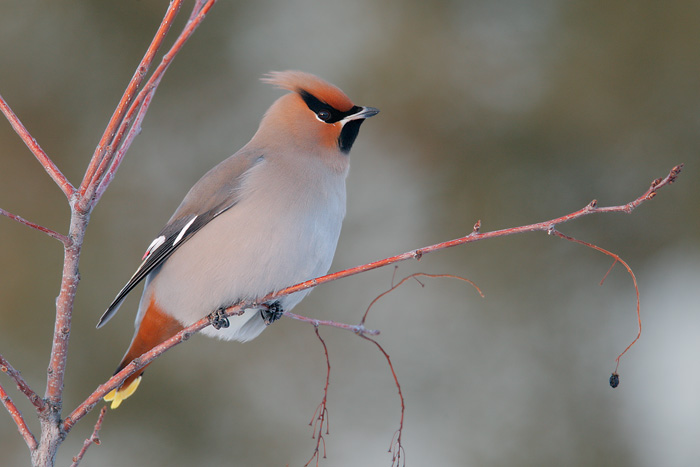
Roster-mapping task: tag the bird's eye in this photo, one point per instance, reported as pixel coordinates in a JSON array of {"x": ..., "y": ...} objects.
[{"x": 324, "y": 115}]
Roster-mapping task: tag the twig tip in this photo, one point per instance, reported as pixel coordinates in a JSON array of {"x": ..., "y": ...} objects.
[{"x": 674, "y": 173}]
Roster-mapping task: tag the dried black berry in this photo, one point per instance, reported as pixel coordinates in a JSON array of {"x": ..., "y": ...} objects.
[{"x": 614, "y": 380}]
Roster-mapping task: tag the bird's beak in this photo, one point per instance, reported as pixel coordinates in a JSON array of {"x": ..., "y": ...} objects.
[{"x": 364, "y": 112}]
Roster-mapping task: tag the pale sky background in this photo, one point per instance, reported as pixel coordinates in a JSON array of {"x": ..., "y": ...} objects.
[{"x": 510, "y": 112}]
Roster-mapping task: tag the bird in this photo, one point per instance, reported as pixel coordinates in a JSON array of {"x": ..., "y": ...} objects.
[{"x": 265, "y": 218}]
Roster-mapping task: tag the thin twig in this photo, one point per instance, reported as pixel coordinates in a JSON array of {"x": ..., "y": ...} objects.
[
  {"x": 130, "y": 125},
  {"x": 93, "y": 439},
  {"x": 103, "y": 150},
  {"x": 22, "y": 385},
  {"x": 395, "y": 448},
  {"x": 629, "y": 271},
  {"x": 51, "y": 233},
  {"x": 39, "y": 153},
  {"x": 415, "y": 276},
  {"x": 18, "y": 419},
  {"x": 356, "y": 328},
  {"x": 320, "y": 416}
]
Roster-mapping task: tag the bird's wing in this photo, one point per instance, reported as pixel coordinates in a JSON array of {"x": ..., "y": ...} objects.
[{"x": 212, "y": 195}]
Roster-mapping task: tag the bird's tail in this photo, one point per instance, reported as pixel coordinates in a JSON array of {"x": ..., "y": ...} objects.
[{"x": 156, "y": 326}]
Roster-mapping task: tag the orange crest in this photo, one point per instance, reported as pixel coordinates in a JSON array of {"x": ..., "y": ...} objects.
[{"x": 298, "y": 81}]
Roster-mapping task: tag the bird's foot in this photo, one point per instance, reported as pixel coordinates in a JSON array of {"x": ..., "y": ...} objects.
[
  {"x": 272, "y": 312},
  {"x": 218, "y": 319}
]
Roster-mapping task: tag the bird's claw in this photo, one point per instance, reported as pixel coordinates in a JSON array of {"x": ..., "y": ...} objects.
[
  {"x": 218, "y": 319},
  {"x": 271, "y": 313}
]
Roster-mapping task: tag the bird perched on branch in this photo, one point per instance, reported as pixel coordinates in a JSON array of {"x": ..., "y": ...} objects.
[{"x": 265, "y": 218}]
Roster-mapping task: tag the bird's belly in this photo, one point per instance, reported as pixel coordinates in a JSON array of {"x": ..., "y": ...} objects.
[{"x": 244, "y": 258}]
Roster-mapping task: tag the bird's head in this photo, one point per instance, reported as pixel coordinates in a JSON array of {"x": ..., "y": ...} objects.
[{"x": 315, "y": 117}]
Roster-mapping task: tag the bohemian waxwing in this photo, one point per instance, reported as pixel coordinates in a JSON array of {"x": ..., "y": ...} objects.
[{"x": 265, "y": 218}]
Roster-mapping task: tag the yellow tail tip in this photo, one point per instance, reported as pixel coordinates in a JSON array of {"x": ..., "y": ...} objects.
[{"x": 116, "y": 396}]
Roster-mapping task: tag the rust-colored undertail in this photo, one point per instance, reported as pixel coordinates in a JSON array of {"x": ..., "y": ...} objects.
[{"x": 155, "y": 327}]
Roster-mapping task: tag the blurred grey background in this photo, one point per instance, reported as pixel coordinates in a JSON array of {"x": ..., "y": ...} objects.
[{"x": 509, "y": 112}]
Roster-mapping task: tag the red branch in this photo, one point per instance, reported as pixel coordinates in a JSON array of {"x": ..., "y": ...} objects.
[
  {"x": 126, "y": 121},
  {"x": 18, "y": 419},
  {"x": 475, "y": 235},
  {"x": 415, "y": 276},
  {"x": 64, "y": 314},
  {"x": 395, "y": 448},
  {"x": 51, "y": 233},
  {"x": 629, "y": 271},
  {"x": 93, "y": 439},
  {"x": 103, "y": 151},
  {"x": 320, "y": 416},
  {"x": 120, "y": 132},
  {"x": 88, "y": 404},
  {"x": 101, "y": 170},
  {"x": 356, "y": 328},
  {"x": 22, "y": 385},
  {"x": 39, "y": 153}
]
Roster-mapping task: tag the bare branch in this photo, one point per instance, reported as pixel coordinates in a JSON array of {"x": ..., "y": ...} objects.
[
  {"x": 39, "y": 153},
  {"x": 18, "y": 419},
  {"x": 360, "y": 328},
  {"x": 103, "y": 151},
  {"x": 93, "y": 399},
  {"x": 649, "y": 194},
  {"x": 320, "y": 416},
  {"x": 415, "y": 276},
  {"x": 22, "y": 385},
  {"x": 64, "y": 312},
  {"x": 93, "y": 439},
  {"x": 120, "y": 132},
  {"x": 356, "y": 328},
  {"x": 130, "y": 125},
  {"x": 634, "y": 281},
  {"x": 474, "y": 236},
  {"x": 51, "y": 233},
  {"x": 395, "y": 448},
  {"x": 128, "y": 117}
]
